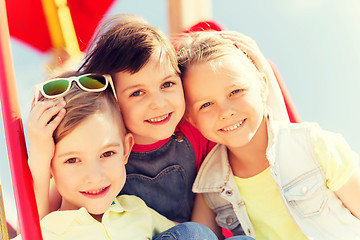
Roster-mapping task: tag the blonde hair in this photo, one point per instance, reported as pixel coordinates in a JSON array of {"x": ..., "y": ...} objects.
[
  {"x": 201, "y": 47},
  {"x": 204, "y": 47}
]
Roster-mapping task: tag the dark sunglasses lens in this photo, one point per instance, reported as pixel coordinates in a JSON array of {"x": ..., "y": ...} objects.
[
  {"x": 93, "y": 81},
  {"x": 56, "y": 87}
]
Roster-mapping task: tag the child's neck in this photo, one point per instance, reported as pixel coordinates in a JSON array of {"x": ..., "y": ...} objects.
[
  {"x": 250, "y": 160},
  {"x": 97, "y": 217}
]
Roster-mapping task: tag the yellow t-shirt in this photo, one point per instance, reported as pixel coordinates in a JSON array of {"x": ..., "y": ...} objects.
[
  {"x": 127, "y": 218},
  {"x": 335, "y": 156},
  {"x": 262, "y": 199}
]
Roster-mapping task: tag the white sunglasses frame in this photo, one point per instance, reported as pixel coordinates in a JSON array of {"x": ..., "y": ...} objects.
[{"x": 108, "y": 80}]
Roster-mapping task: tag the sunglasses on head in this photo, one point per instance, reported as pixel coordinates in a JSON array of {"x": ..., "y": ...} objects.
[{"x": 91, "y": 82}]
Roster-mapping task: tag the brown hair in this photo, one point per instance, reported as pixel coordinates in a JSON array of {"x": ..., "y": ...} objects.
[
  {"x": 125, "y": 43},
  {"x": 200, "y": 47},
  {"x": 81, "y": 104}
]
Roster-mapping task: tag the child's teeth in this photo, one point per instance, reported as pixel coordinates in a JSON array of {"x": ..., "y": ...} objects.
[
  {"x": 159, "y": 119},
  {"x": 235, "y": 126},
  {"x": 95, "y": 192}
]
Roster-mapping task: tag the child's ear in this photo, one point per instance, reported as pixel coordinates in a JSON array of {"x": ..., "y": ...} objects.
[{"x": 128, "y": 144}]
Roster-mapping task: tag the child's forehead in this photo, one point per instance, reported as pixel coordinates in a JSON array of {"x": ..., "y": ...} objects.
[
  {"x": 233, "y": 65},
  {"x": 110, "y": 113},
  {"x": 115, "y": 115},
  {"x": 219, "y": 74}
]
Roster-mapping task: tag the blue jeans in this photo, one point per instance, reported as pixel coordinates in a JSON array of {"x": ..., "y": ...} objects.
[{"x": 187, "y": 231}]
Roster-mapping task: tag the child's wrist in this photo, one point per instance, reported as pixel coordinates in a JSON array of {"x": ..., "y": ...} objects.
[{"x": 38, "y": 166}]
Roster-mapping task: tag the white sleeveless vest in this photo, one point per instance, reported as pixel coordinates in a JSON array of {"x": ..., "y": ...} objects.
[{"x": 316, "y": 210}]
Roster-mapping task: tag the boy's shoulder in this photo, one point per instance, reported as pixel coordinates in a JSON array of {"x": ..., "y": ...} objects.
[{"x": 58, "y": 222}]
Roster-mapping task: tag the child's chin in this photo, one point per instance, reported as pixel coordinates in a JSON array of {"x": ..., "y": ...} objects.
[
  {"x": 99, "y": 211},
  {"x": 164, "y": 134}
]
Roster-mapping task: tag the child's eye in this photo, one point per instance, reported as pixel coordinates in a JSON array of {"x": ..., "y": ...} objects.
[
  {"x": 167, "y": 85},
  {"x": 205, "y": 105},
  {"x": 236, "y": 91},
  {"x": 72, "y": 160},
  {"x": 137, "y": 93},
  {"x": 108, "y": 154}
]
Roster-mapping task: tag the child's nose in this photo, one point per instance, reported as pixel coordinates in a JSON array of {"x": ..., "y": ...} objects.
[
  {"x": 158, "y": 100},
  {"x": 94, "y": 172},
  {"x": 226, "y": 111}
]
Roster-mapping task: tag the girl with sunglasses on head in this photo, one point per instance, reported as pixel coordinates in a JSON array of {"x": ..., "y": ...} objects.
[
  {"x": 77, "y": 136},
  {"x": 270, "y": 179}
]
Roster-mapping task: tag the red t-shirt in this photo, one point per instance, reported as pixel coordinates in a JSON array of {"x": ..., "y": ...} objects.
[{"x": 200, "y": 144}]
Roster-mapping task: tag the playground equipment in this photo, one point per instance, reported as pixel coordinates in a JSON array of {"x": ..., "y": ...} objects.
[{"x": 3, "y": 225}]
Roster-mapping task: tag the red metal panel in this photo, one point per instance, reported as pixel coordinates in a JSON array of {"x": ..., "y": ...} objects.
[
  {"x": 14, "y": 135},
  {"x": 27, "y": 21},
  {"x": 294, "y": 115}
]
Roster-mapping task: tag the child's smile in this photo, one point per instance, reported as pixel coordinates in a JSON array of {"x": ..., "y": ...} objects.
[
  {"x": 236, "y": 126},
  {"x": 160, "y": 119},
  {"x": 89, "y": 164},
  {"x": 151, "y": 100},
  {"x": 224, "y": 102},
  {"x": 96, "y": 193}
]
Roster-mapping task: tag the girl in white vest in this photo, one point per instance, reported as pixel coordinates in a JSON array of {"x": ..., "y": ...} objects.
[{"x": 266, "y": 178}]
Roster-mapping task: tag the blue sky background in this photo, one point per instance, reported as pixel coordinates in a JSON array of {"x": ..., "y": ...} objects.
[{"x": 314, "y": 43}]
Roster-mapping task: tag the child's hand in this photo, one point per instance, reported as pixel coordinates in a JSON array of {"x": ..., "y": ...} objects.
[
  {"x": 43, "y": 119},
  {"x": 250, "y": 48},
  {"x": 275, "y": 100}
]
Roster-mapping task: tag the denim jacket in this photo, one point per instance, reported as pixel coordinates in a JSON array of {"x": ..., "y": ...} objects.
[{"x": 316, "y": 210}]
